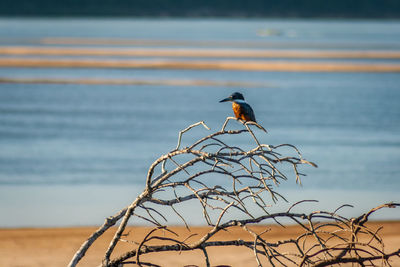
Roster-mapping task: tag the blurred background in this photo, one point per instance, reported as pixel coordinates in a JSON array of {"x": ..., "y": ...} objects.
[{"x": 92, "y": 92}]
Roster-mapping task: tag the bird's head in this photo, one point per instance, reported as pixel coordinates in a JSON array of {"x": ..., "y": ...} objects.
[{"x": 233, "y": 97}]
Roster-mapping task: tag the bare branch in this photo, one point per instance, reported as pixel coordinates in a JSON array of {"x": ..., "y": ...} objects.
[{"x": 231, "y": 185}]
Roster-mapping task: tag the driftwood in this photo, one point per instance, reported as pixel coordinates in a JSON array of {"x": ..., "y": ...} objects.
[{"x": 234, "y": 185}]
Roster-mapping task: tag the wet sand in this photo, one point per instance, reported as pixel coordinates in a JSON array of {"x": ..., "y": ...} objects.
[{"x": 55, "y": 246}]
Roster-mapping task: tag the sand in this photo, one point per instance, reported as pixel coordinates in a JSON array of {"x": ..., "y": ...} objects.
[
  {"x": 198, "y": 53},
  {"x": 197, "y": 59},
  {"x": 55, "y": 246},
  {"x": 234, "y": 65}
]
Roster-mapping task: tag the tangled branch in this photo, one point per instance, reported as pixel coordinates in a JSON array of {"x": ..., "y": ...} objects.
[{"x": 234, "y": 186}]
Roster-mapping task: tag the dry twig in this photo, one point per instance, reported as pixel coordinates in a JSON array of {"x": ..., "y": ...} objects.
[{"x": 226, "y": 179}]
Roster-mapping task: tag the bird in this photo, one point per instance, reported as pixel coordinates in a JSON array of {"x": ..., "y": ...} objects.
[{"x": 241, "y": 109}]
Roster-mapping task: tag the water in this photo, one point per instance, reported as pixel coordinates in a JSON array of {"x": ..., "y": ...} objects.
[
  {"x": 360, "y": 34},
  {"x": 73, "y": 143}
]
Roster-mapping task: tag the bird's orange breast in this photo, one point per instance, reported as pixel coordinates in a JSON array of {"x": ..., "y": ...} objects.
[
  {"x": 239, "y": 112},
  {"x": 243, "y": 112}
]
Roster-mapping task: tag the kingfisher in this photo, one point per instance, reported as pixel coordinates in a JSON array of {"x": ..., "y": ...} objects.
[{"x": 241, "y": 109}]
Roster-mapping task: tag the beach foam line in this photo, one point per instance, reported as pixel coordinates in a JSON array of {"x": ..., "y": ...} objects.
[
  {"x": 197, "y": 53},
  {"x": 96, "y": 81},
  {"x": 239, "y": 65}
]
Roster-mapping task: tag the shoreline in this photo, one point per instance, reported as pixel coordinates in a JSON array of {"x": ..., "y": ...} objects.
[{"x": 144, "y": 226}]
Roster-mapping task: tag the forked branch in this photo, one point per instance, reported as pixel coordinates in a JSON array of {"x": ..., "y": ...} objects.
[{"x": 230, "y": 174}]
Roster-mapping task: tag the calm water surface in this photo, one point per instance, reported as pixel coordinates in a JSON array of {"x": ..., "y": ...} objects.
[{"x": 63, "y": 138}]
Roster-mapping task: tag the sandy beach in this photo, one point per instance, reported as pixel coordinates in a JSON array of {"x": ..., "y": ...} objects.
[{"x": 55, "y": 246}]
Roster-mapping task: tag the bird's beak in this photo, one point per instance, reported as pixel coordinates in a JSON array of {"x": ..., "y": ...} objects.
[{"x": 226, "y": 99}]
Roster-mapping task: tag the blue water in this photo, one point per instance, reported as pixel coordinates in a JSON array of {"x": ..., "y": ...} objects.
[
  {"x": 62, "y": 137},
  {"x": 66, "y": 134},
  {"x": 338, "y": 34}
]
